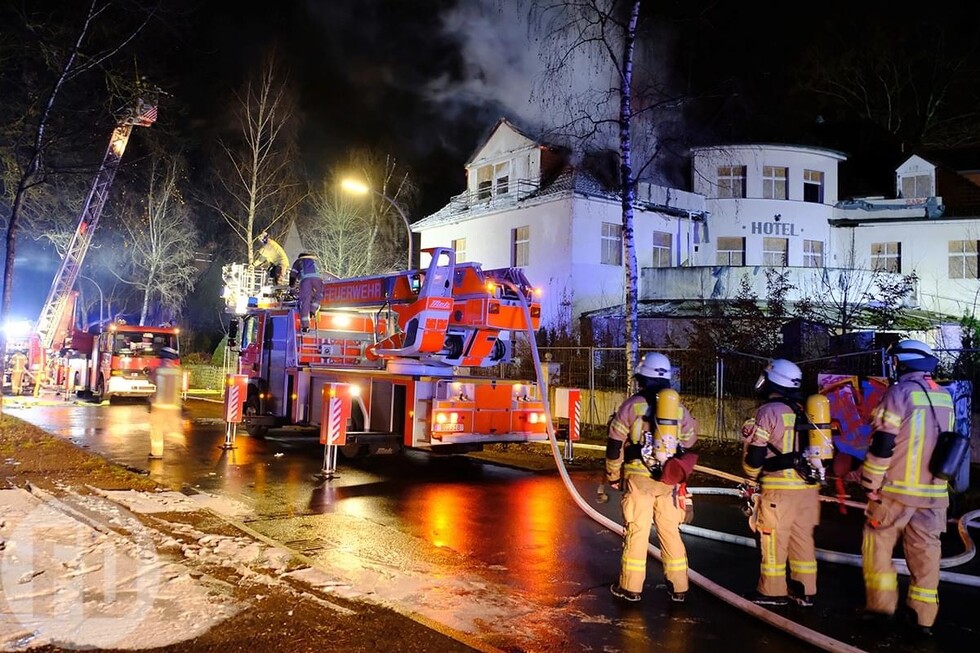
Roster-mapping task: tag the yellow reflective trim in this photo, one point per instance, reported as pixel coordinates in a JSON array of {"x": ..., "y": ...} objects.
[
  {"x": 676, "y": 565},
  {"x": 943, "y": 399},
  {"x": 926, "y": 491},
  {"x": 803, "y": 566},
  {"x": 881, "y": 582},
  {"x": 913, "y": 456},
  {"x": 889, "y": 418},
  {"x": 635, "y": 565},
  {"x": 923, "y": 595},
  {"x": 875, "y": 469}
]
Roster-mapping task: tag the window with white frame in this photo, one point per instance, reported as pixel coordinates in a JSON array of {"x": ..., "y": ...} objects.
[
  {"x": 774, "y": 182},
  {"x": 813, "y": 253},
  {"x": 731, "y": 181},
  {"x": 662, "y": 249},
  {"x": 459, "y": 245},
  {"x": 775, "y": 252},
  {"x": 492, "y": 180},
  {"x": 963, "y": 259},
  {"x": 813, "y": 186},
  {"x": 731, "y": 251},
  {"x": 520, "y": 246},
  {"x": 916, "y": 186},
  {"x": 484, "y": 182},
  {"x": 612, "y": 244},
  {"x": 886, "y": 257}
]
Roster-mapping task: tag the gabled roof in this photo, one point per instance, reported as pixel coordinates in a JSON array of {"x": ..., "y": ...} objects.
[
  {"x": 961, "y": 196},
  {"x": 502, "y": 123}
]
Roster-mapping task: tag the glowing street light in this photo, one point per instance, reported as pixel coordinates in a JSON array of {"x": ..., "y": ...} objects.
[{"x": 360, "y": 188}]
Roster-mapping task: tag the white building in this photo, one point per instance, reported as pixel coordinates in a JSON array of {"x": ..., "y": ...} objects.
[
  {"x": 527, "y": 206},
  {"x": 753, "y": 207}
]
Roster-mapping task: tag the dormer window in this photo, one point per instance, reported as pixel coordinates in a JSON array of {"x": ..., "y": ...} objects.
[
  {"x": 915, "y": 186},
  {"x": 493, "y": 180}
]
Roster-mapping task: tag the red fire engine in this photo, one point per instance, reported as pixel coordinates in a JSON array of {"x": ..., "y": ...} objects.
[
  {"x": 402, "y": 345},
  {"x": 124, "y": 359}
]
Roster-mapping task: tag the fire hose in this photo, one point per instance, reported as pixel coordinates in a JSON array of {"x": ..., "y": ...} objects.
[{"x": 797, "y": 630}]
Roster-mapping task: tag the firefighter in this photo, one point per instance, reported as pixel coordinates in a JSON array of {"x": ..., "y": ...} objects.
[
  {"x": 310, "y": 288},
  {"x": 904, "y": 498},
  {"x": 273, "y": 255},
  {"x": 789, "y": 504},
  {"x": 649, "y": 494},
  {"x": 18, "y": 370}
]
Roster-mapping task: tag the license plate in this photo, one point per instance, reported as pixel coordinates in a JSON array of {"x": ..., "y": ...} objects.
[{"x": 447, "y": 428}]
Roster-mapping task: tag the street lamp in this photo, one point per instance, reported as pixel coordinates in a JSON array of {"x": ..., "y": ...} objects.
[{"x": 360, "y": 188}]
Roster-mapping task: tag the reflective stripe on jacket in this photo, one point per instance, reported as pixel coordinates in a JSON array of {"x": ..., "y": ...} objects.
[
  {"x": 905, "y": 412},
  {"x": 774, "y": 424}
]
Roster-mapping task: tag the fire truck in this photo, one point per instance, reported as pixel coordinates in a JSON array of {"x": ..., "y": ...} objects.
[
  {"x": 122, "y": 360},
  {"x": 55, "y": 340},
  {"x": 405, "y": 346}
]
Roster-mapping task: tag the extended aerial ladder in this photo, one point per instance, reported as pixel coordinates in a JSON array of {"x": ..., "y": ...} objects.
[
  {"x": 405, "y": 347},
  {"x": 54, "y": 324},
  {"x": 448, "y": 314}
]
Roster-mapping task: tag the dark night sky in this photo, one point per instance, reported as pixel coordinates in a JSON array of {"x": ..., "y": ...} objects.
[{"x": 424, "y": 80}]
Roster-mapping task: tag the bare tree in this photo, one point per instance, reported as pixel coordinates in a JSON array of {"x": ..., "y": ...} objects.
[
  {"x": 388, "y": 234},
  {"x": 342, "y": 234},
  {"x": 255, "y": 175},
  {"x": 849, "y": 297},
  {"x": 161, "y": 243},
  {"x": 604, "y": 32},
  {"x": 60, "y": 53},
  {"x": 914, "y": 81}
]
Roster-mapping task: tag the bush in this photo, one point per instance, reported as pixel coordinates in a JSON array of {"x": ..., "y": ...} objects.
[{"x": 196, "y": 358}]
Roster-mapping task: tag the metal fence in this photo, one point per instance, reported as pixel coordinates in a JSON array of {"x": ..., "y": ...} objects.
[{"x": 718, "y": 387}]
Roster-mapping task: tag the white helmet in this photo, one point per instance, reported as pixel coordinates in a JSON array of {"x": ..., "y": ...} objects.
[
  {"x": 654, "y": 366},
  {"x": 783, "y": 373},
  {"x": 914, "y": 355}
]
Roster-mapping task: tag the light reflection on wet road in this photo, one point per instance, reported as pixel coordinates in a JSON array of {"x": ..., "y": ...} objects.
[{"x": 516, "y": 528}]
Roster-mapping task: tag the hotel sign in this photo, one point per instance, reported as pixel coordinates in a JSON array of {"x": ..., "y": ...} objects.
[{"x": 774, "y": 228}]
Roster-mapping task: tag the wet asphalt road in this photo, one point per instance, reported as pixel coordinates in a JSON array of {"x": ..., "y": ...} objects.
[{"x": 518, "y": 529}]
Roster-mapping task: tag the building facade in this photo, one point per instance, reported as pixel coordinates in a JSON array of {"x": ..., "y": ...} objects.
[
  {"x": 528, "y": 206},
  {"x": 751, "y": 208}
]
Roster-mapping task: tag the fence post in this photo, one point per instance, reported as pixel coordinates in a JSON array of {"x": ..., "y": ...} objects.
[{"x": 719, "y": 396}]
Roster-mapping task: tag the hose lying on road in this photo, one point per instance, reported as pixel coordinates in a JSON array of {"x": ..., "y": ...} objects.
[
  {"x": 850, "y": 558},
  {"x": 799, "y": 631}
]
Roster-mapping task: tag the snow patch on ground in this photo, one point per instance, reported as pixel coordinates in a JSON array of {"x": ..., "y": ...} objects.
[
  {"x": 66, "y": 580},
  {"x": 159, "y": 502}
]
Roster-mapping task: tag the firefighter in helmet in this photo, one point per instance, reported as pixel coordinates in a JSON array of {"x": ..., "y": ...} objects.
[
  {"x": 271, "y": 254},
  {"x": 304, "y": 273},
  {"x": 905, "y": 499},
  {"x": 653, "y": 482},
  {"x": 789, "y": 505},
  {"x": 18, "y": 370}
]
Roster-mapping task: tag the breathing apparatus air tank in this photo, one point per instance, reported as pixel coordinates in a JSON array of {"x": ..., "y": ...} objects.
[
  {"x": 660, "y": 441},
  {"x": 820, "y": 447}
]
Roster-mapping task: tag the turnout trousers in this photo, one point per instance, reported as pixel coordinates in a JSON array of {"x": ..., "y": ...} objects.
[
  {"x": 310, "y": 293},
  {"x": 920, "y": 529},
  {"x": 647, "y": 502},
  {"x": 786, "y": 522}
]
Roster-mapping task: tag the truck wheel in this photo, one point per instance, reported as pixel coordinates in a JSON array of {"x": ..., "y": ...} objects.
[
  {"x": 100, "y": 390},
  {"x": 256, "y": 431},
  {"x": 251, "y": 408},
  {"x": 355, "y": 451}
]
